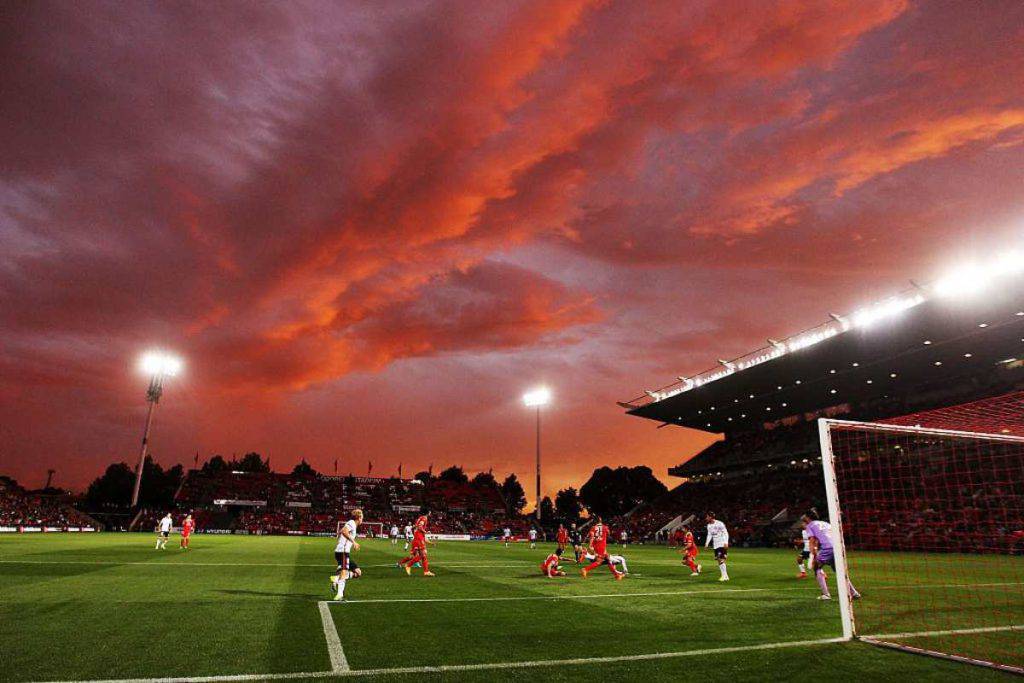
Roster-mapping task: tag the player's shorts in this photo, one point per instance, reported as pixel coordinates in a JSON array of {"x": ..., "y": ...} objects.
[
  {"x": 691, "y": 552},
  {"x": 186, "y": 534},
  {"x": 165, "y": 534},
  {"x": 721, "y": 553},
  {"x": 345, "y": 562},
  {"x": 825, "y": 557},
  {"x": 804, "y": 554}
]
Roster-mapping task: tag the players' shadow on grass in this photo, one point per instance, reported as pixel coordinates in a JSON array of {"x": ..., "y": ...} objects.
[{"x": 268, "y": 594}]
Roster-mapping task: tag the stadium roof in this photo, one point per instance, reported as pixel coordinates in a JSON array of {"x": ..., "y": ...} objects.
[{"x": 951, "y": 331}]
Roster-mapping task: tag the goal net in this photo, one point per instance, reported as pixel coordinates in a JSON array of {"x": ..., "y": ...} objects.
[{"x": 928, "y": 525}]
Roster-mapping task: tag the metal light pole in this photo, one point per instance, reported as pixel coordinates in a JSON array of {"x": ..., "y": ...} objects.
[
  {"x": 159, "y": 366},
  {"x": 536, "y": 399},
  {"x": 538, "y": 463}
]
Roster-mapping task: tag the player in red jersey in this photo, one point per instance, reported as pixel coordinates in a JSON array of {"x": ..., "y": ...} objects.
[
  {"x": 418, "y": 549},
  {"x": 690, "y": 552},
  {"x": 187, "y": 527},
  {"x": 599, "y": 549},
  {"x": 562, "y": 538},
  {"x": 550, "y": 567}
]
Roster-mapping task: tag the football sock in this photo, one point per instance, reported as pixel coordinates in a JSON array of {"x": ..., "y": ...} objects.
[{"x": 822, "y": 584}]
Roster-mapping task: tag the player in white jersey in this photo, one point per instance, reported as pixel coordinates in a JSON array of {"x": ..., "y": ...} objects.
[
  {"x": 347, "y": 544},
  {"x": 718, "y": 538},
  {"x": 623, "y": 538},
  {"x": 507, "y": 536},
  {"x": 408, "y": 536},
  {"x": 163, "y": 531},
  {"x": 533, "y": 539},
  {"x": 394, "y": 534},
  {"x": 805, "y": 553},
  {"x": 617, "y": 562}
]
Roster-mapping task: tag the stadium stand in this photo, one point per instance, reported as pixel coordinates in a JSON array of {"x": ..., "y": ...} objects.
[
  {"x": 24, "y": 509},
  {"x": 271, "y": 503},
  {"x": 910, "y": 356}
]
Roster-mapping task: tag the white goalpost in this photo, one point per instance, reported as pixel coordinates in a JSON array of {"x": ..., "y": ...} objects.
[{"x": 929, "y": 524}]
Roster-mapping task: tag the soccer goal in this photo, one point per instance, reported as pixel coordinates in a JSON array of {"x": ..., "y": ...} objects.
[{"x": 928, "y": 524}]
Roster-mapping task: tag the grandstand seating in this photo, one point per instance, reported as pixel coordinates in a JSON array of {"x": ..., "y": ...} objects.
[
  {"x": 21, "y": 508},
  {"x": 270, "y": 503},
  {"x": 759, "y": 507}
]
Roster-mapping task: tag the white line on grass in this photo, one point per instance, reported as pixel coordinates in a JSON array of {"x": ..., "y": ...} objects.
[
  {"x": 452, "y": 668},
  {"x": 338, "y": 661},
  {"x": 587, "y": 596},
  {"x": 446, "y": 668},
  {"x": 949, "y": 632}
]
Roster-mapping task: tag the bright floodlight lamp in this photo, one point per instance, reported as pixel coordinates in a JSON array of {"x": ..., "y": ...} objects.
[
  {"x": 963, "y": 282},
  {"x": 158, "y": 365},
  {"x": 537, "y": 399}
]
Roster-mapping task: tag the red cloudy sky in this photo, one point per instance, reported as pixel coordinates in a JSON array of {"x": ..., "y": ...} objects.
[{"x": 369, "y": 227}]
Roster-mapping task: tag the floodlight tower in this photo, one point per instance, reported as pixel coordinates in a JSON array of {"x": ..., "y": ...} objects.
[
  {"x": 157, "y": 365},
  {"x": 537, "y": 399}
]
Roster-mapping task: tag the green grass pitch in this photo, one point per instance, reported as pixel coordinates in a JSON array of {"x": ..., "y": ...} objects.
[{"x": 109, "y": 606}]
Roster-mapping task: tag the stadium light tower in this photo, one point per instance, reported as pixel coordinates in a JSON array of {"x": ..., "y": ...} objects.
[
  {"x": 537, "y": 398},
  {"x": 157, "y": 365}
]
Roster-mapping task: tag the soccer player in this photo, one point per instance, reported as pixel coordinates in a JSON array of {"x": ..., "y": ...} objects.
[
  {"x": 690, "y": 552},
  {"x": 163, "y": 531},
  {"x": 615, "y": 561},
  {"x": 577, "y": 542},
  {"x": 550, "y": 567},
  {"x": 562, "y": 538},
  {"x": 805, "y": 553},
  {"x": 623, "y": 537},
  {"x": 506, "y": 535},
  {"x": 394, "y": 534},
  {"x": 347, "y": 567},
  {"x": 418, "y": 549},
  {"x": 599, "y": 548},
  {"x": 533, "y": 539},
  {"x": 186, "y": 530},
  {"x": 408, "y": 536},
  {"x": 718, "y": 537},
  {"x": 822, "y": 553}
]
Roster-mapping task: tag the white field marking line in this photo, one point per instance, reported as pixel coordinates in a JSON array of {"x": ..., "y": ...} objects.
[
  {"x": 339, "y": 663},
  {"x": 445, "y": 668},
  {"x": 158, "y": 563},
  {"x": 708, "y": 591},
  {"x": 950, "y": 632},
  {"x": 186, "y": 563}
]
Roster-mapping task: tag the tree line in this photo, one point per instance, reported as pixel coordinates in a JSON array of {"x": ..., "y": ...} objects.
[{"x": 608, "y": 492}]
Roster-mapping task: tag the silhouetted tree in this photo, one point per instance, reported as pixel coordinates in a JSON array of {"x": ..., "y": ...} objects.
[
  {"x": 423, "y": 476},
  {"x": 454, "y": 474},
  {"x": 114, "y": 487},
  {"x": 611, "y": 492},
  {"x": 215, "y": 464},
  {"x": 547, "y": 509},
  {"x": 252, "y": 462},
  {"x": 512, "y": 492},
  {"x": 304, "y": 469},
  {"x": 484, "y": 480},
  {"x": 568, "y": 506}
]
